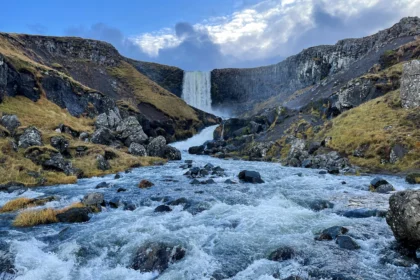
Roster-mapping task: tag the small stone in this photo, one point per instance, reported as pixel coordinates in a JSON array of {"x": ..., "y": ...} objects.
[
  {"x": 103, "y": 185},
  {"x": 145, "y": 184},
  {"x": 121, "y": 190},
  {"x": 346, "y": 242},
  {"x": 163, "y": 208}
]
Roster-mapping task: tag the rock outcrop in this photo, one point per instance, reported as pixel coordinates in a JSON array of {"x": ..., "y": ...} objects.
[
  {"x": 404, "y": 217},
  {"x": 410, "y": 85}
]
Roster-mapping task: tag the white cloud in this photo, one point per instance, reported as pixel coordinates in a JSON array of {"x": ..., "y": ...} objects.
[{"x": 267, "y": 29}]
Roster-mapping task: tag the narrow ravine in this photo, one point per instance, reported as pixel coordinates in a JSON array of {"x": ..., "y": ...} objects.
[{"x": 227, "y": 230}]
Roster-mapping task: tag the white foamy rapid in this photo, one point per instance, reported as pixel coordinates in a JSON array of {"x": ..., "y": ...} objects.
[
  {"x": 196, "y": 90},
  {"x": 228, "y": 230},
  {"x": 197, "y": 140}
]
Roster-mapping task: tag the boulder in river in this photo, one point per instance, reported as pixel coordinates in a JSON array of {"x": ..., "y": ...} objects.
[
  {"x": 404, "y": 217},
  {"x": 163, "y": 208},
  {"x": 250, "y": 177},
  {"x": 196, "y": 150},
  {"x": 346, "y": 242},
  {"x": 157, "y": 257},
  {"x": 145, "y": 184},
  {"x": 413, "y": 178},
  {"x": 332, "y": 233},
  {"x": 380, "y": 185},
  {"x": 93, "y": 200},
  {"x": 74, "y": 215},
  {"x": 172, "y": 153},
  {"x": 282, "y": 254}
]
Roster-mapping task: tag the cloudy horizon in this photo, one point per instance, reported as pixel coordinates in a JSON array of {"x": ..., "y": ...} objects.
[{"x": 242, "y": 33}]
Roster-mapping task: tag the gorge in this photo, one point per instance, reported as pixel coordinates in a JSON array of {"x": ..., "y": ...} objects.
[{"x": 112, "y": 168}]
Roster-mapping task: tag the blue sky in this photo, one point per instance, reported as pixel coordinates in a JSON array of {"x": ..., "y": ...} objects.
[{"x": 207, "y": 34}]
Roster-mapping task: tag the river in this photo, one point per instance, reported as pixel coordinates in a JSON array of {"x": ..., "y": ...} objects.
[{"x": 228, "y": 231}]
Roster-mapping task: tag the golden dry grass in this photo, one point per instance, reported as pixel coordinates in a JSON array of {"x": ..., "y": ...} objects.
[
  {"x": 147, "y": 91},
  {"x": 379, "y": 123},
  {"x": 16, "y": 204},
  {"x": 35, "y": 217}
]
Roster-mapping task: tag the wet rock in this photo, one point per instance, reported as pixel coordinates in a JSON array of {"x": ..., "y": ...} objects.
[
  {"x": 208, "y": 166},
  {"x": 250, "y": 177},
  {"x": 12, "y": 186},
  {"x": 178, "y": 201},
  {"x": 196, "y": 150},
  {"x": 293, "y": 277},
  {"x": 313, "y": 147},
  {"x": 229, "y": 181},
  {"x": 74, "y": 215},
  {"x": 209, "y": 181},
  {"x": 60, "y": 143},
  {"x": 195, "y": 207},
  {"x": 320, "y": 204},
  {"x": 163, "y": 208},
  {"x": 332, "y": 233},
  {"x": 121, "y": 190},
  {"x": 129, "y": 206},
  {"x": 137, "y": 149},
  {"x": 282, "y": 254},
  {"x": 171, "y": 153},
  {"x": 333, "y": 170},
  {"x": 10, "y": 122},
  {"x": 363, "y": 213},
  {"x": 157, "y": 257},
  {"x": 195, "y": 171},
  {"x": 346, "y": 242},
  {"x": 145, "y": 184},
  {"x": 380, "y": 185},
  {"x": 404, "y": 217},
  {"x": 413, "y": 178},
  {"x": 114, "y": 203},
  {"x": 195, "y": 182},
  {"x": 94, "y": 199},
  {"x": 103, "y": 185},
  {"x": 410, "y": 85},
  {"x": 30, "y": 137},
  {"x": 103, "y": 136},
  {"x": 204, "y": 172},
  {"x": 7, "y": 267},
  {"x": 322, "y": 172},
  {"x": 117, "y": 176}
]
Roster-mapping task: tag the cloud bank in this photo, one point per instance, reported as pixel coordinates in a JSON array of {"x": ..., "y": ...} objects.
[{"x": 257, "y": 34}]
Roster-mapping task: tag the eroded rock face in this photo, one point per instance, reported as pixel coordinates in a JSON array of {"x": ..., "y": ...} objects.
[
  {"x": 103, "y": 136},
  {"x": 410, "y": 85},
  {"x": 156, "y": 257},
  {"x": 30, "y": 137},
  {"x": 404, "y": 217}
]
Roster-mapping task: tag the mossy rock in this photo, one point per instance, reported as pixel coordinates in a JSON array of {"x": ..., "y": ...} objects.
[{"x": 413, "y": 178}]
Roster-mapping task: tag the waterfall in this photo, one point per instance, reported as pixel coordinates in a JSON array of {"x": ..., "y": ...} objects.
[{"x": 196, "y": 90}]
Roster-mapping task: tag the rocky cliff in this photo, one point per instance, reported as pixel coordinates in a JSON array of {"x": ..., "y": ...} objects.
[{"x": 312, "y": 74}]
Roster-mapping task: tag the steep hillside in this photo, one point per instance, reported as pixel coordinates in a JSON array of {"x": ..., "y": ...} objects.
[
  {"x": 310, "y": 75},
  {"x": 73, "y": 108}
]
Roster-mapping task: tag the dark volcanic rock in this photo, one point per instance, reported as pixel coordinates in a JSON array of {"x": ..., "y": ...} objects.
[
  {"x": 172, "y": 153},
  {"x": 145, "y": 184},
  {"x": 380, "y": 185},
  {"x": 250, "y": 177},
  {"x": 363, "y": 213},
  {"x": 156, "y": 257},
  {"x": 103, "y": 185},
  {"x": 196, "y": 150},
  {"x": 332, "y": 233},
  {"x": 130, "y": 131},
  {"x": 60, "y": 143},
  {"x": 114, "y": 203},
  {"x": 346, "y": 242},
  {"x": 58, "y": 163},
  {"x": 74, "y": 215},
  {"x": 163, "y": 208},
  {"x": 404, "y": 217},
  {"x": 30, "y": 137},
  {"x": 282, "y": 254}
]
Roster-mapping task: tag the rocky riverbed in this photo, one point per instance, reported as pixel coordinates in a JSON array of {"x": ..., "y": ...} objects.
[{"x": 291, "y": 222}]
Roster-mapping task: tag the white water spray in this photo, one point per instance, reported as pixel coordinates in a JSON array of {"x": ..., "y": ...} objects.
[
  {"x": 197, "y": 140},
  {"x": 196, "y": 90}
]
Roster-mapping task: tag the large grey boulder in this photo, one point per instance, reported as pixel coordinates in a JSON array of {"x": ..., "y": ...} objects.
[
  {"x": 156, "y": 147},
  {"x": 130, "y": 131},
  {"x": 172, "y": 153},
  {"x": 30, "y": 137},
  {"x": 137, "y": 150},
  {"x": 93, "y": 199},
  {"x": 410, "y": 85},
  {"x": 11, "y": 122},
  {"x": 404, "y": 217},
  {"x": 109, "y": 120},
  {"x": 103, "y": 136}
]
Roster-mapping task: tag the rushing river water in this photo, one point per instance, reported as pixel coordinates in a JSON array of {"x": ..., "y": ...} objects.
[{"x": 228, "y": 232}]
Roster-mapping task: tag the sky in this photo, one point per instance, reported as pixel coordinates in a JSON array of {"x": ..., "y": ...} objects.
[{"x": 206, "y": 34}]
